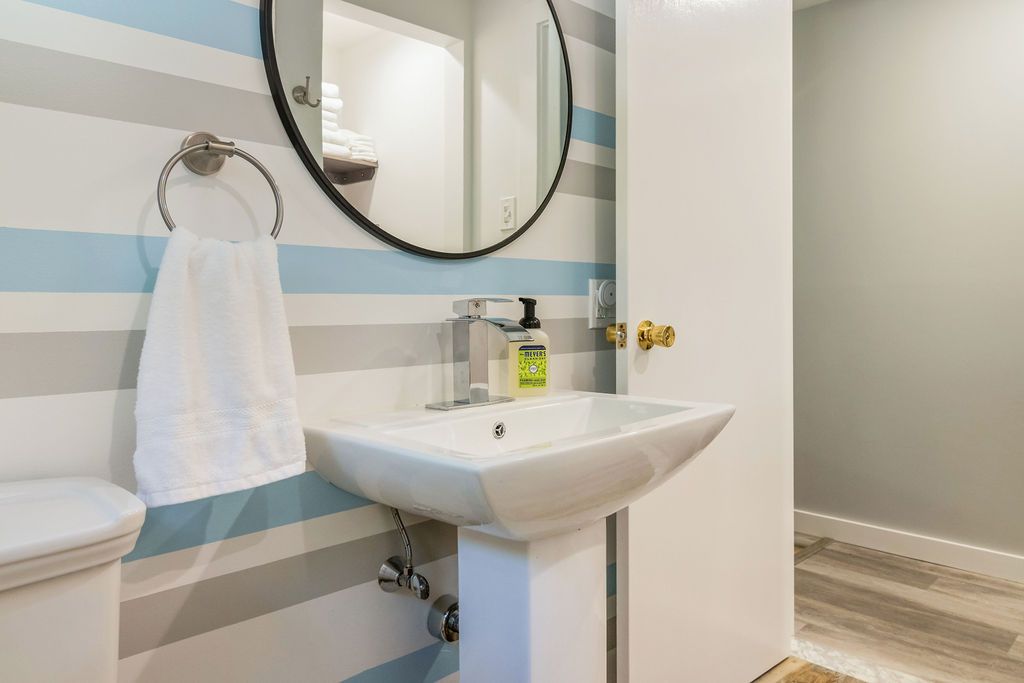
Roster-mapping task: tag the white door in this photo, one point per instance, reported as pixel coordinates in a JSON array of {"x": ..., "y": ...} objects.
[{"x": 704, "y": 244}]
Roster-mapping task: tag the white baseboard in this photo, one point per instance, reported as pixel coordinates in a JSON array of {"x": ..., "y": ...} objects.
[{"x": 935, "y": 550}]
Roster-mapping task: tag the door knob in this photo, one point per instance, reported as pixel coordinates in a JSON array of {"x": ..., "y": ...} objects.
[{"x": 649, "y": 335}]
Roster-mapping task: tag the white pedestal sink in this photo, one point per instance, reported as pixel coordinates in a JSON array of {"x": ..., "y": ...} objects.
[{"x": 529, "y": 483}]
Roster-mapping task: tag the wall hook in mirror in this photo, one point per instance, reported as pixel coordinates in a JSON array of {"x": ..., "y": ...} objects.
[{"x": 301, "y": 95}]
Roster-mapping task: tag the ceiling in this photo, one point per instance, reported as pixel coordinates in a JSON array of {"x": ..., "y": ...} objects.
[{"x": 342, "y": 32}]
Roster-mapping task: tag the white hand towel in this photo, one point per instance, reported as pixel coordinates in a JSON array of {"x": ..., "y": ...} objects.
[
  {"x": 365, "y": 157},
  {"x": 339, "y": 151},
  {"x": 332, "y": 104},
  {"x": 329, "y": 89},
  {"x": 329, "y": 117},
  {"x": 333, "y": 127},
  {"x": 216, "y": 407}
]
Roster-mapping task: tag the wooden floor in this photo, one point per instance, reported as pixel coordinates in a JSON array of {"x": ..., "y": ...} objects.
[
  {"x": 795, "y": 670},
  {"x": 938, "y": 624}
]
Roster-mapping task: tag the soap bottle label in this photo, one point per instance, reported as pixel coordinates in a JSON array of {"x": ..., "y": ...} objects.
[{"x": 533, "y": 367}]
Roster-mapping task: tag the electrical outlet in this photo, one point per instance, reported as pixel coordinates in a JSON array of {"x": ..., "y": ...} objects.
[
  {"x": 602, "y": 304},
  {"x": 508, "y": 213}
]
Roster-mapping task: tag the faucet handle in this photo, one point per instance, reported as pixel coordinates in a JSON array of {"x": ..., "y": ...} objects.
[{"x": 476, "y": 307}]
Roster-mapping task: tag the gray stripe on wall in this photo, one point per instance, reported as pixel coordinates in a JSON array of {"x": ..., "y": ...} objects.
[
  {"x": 169, "y": 616},
  {"x": 37, "y": 77},
  {"x": 92, "y": 87},
  {"x": 44, "y": 363},
  {"x": 47, "y": 363},
  {"x": 588, "y": 180},
  {"x": 586, "y": 24}
]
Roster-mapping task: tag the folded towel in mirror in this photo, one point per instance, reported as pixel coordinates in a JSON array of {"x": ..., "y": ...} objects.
[
  {"x": 333, "y": 127},
  {"x": 332, "y": 104},
  {"x": 329, "y": 116},
  {"x": 338, "y": 151},
  {"x": 356, "y": 137},
  {"x": 365, "y": 157},
  {"x": 329, "y": 89}
]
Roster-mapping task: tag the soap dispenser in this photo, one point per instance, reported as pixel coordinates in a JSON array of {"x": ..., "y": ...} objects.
[{"x": 528, "y": 369}]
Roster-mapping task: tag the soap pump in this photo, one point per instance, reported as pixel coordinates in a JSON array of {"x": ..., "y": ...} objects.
[{"x": 528, "y": 368}]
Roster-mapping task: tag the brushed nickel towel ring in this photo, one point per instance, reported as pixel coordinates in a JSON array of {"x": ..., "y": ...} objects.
[{"x": 204, "y": 154}]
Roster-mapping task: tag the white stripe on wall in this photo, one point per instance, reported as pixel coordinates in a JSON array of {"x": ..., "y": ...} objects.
[
  {"x": 235, "y": 204},
  {"x": 76, "y": 34},
  {"x": 590, "y": 153},
  {"x": 89, "y": 434},
  {"x": 593, "y": 76},
  {"x": 326, "y": 639},
  {"x": 120, "y": 197},
  {"x": 605, "y": 7}
]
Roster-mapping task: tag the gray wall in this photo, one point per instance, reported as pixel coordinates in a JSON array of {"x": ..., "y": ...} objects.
[{"x": 909, "y": 257}]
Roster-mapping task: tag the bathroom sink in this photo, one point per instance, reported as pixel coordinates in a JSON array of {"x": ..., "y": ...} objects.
[{"x": 524, "y": 470}]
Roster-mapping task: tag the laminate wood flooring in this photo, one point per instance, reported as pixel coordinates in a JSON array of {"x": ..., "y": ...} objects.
[
  {"x": 936, "y": 623},
  {"x": 795, "y": 670}
]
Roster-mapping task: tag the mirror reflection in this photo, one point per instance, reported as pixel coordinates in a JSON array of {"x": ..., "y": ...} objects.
[{"x": 442, "y": 123}]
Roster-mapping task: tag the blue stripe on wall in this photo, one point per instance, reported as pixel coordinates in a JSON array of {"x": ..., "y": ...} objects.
[
  {"x": 186, "y": 525},
  {"x": 430, "y": 664},
  {"x": 62, "y": 261},
  {"x": 222, "y": 24},
  {"x": 593, "y": 127}
]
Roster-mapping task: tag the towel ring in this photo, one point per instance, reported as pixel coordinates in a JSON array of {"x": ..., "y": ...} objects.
[{"x": 204, "y": 154}]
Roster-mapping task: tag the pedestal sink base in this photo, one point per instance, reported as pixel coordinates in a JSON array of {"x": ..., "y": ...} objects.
[{"x": 532, "y": 611}]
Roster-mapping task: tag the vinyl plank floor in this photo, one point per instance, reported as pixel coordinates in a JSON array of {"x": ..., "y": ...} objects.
[
  {"x": 933, "y": 622},
  {"x": 1017, "y": 651},
  {"x": 794, "y": 670}
]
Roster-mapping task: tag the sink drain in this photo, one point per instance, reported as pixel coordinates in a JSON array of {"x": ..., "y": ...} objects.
[{"x": 498, "y": 430}]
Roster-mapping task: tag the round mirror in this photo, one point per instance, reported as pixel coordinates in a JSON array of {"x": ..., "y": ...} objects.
[{"x": 440, "y": 127}]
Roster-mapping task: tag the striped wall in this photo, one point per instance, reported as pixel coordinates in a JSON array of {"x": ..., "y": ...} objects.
[{"x": 275, "y": 583}]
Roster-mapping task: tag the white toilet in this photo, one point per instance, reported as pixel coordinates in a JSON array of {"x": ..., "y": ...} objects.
[{"x": 61, "y": 544}]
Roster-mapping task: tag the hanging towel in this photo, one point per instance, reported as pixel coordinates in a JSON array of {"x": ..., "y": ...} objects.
[{"x": 216, "y": 407}]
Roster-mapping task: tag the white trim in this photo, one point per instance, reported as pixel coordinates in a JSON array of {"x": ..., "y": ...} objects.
[{"x": 927, "y": 548}]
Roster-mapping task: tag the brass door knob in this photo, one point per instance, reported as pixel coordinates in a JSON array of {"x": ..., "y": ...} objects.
[{"x": 649, "y": 335}]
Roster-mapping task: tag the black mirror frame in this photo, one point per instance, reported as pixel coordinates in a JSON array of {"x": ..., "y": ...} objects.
[{"x": 277, "y": 90}]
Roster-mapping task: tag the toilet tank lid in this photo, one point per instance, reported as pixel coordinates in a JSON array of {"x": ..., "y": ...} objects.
[{"x": 46, "y": 516}]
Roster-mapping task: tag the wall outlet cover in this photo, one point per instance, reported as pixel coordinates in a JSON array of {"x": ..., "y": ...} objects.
[{"x": 508, "y": 213}]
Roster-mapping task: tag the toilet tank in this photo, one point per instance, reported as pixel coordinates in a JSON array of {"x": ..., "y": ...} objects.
[{"x": 61, "y": 544}]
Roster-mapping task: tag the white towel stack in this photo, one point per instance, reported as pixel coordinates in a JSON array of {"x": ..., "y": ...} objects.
[
  {"x": 216, "y": 405},
  {"x": 339, "y": 142},
  {"x": 361, "y": 146},
  {"x": 330, "y": 116}
]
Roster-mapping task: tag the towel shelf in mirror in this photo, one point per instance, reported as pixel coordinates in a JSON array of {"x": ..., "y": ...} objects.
[
  {"x": 348, "y": 171},
  {"x": 204, "y": 154}
]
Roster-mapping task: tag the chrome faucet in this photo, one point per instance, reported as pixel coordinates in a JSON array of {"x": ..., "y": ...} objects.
[{"x": 470, "y": 352}]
